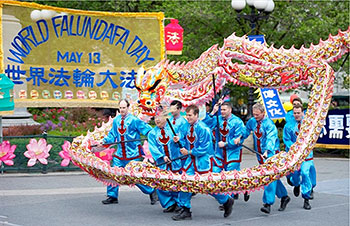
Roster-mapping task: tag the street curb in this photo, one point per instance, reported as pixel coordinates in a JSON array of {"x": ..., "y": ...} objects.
[{"x": 43, "y": 175}]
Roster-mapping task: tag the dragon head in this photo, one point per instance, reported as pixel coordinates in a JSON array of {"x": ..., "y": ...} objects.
[{"x": 151, "y": 84}]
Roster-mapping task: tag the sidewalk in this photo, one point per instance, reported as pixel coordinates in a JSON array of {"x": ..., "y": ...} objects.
[{"x": 74, "y": 199}]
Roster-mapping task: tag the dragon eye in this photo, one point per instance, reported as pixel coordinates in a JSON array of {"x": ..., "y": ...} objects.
[{"x": 148, "y": 102}]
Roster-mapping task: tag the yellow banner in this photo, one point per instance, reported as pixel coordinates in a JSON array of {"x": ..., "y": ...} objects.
[{"x": 63, "y": 57}]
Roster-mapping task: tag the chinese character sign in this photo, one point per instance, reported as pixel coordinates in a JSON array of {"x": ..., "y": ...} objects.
[
  {"x": 74, "y": 57},
  {"x": 258, "y": 38},
  {"x": 336, "y": 132},
  {"x": 173, "y": 38},
  {"x": 272, "y": 103}
]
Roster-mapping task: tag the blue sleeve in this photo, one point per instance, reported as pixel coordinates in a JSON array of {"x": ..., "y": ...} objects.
[
  {"x": 287, "y": 136},
  {"x": 182, "y": 135},
  {"x": 112, "y": 134},
  {"x": 153, "y": 146},
  {"x": 289, "y": 116},
  {"x": 203, "y": 144},
  {"x": 271, "y": 137},
  {"x": 142, "y": 127},
  {"x": 247, "y": 129},
  {"x": 235, "y": 132},
  {"x": 211, "y": 122}
]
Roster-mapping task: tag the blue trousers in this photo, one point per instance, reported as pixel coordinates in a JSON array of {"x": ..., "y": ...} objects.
[
  {"x": 167, "y": 198},
  {"x": 307, "y": 173},
  {"x": 185, "y": 197},
  {"x": 276, "y": 188},
  {"x": 113, "y": 191}
]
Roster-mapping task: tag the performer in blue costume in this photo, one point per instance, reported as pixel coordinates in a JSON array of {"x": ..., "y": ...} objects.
[
  {"x": 228, "y": 152},
  {"x": 163, "y": 149},
  {"x": 176, "y": 119},
  {"x": 127, "y": 127},
  {"x": 266, "y": 142},
  {"x": 290, "y": 118},
  {"x": 289, "y": 115},
  {"x": 199, "y": 148},
  {"x": 207, "y": 119},
  {"x": 307, "y": 169}
]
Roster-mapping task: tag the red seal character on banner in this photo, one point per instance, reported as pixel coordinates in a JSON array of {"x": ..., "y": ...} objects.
[{"x": 173, "y": 38}]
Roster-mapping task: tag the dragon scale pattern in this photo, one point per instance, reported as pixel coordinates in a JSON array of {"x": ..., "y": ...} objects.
[{"x": 262, "y": 67}]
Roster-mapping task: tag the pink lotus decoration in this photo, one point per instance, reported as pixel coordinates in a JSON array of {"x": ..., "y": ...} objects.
[
  {"x": 7, "y": 153},
  {"x": 37, "y": 151},
  {"x": 65, "y": 154},
  {"x": 106, "y": 154}
]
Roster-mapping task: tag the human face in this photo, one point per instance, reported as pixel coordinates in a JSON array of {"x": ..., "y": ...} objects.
[
  {"x": 296, "y": 102},
  {"x": 123, "y": 108},
  {"x": 207, "y": 108},
  {"x": 160, "y": 121},
  {"x": 298, "y": 114},
  {"x": 191, "y": 117},
  {"x": 225, "y": 111},
  {"x": 258, "y": 115},
  {"x": 175, "y": 111}
]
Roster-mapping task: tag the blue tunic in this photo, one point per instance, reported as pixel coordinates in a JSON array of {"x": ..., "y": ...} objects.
[
  {"x": 131, "y": 129},
  {"x": 178, "y": 123},
  {"x": 199, "y": 141},
  {"x": 265, "y": 137},
  {"x": 207, "y": 119},
  {"x": 127, "y": 129},
  {"x": 307, "y": 170},
  {"x": 289, "y": 116},
  {"x": 161, "y": 144},
  {"x": 230, "y": 129}
]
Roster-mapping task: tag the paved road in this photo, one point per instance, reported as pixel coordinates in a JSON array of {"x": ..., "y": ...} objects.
[{"x": 75, "y": 199}]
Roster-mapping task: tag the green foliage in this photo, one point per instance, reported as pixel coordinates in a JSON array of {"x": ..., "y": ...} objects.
[{"x": 207, "y": 22}]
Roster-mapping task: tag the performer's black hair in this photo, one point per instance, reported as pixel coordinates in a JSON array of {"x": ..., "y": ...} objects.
[{"x": 176, "y": 103}]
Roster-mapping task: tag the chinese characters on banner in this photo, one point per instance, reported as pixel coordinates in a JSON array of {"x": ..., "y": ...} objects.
[
  {"x": 271, "y": 99},
  {"x": 258, "y": 38},
  {"x": 272, "y": 103},
  {"x": 77, "y": 58},
  {"x": 173, "y": 38},
  {"x": 336, "y": 132}
]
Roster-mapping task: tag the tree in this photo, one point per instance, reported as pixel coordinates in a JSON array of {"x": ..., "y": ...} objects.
[{"x": 208, "y": 22}]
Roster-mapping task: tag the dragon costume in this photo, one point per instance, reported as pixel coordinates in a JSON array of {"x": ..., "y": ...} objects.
[{"x": 192, "y": 83}]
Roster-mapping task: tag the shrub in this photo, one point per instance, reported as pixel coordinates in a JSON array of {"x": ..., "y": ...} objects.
[
  {"x": 22, "y": 130},
  {"x": 67, "y": 121}
]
